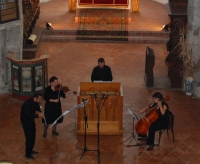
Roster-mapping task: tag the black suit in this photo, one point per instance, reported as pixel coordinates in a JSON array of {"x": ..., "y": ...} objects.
[
  {"x": 101, "y": 74},
  {"x": 27, "y": 118}
]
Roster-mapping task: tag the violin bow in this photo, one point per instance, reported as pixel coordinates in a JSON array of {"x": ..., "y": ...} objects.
[{"x": 45, "y": 121}]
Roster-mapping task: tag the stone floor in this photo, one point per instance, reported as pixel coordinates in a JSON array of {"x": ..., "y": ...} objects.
[{"x": 72, "y": 62}]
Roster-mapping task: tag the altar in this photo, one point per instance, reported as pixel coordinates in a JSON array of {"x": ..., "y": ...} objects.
[
  {"x": 103, "y": 2},
  {"x": 132, "y": 5},
  {"x": 111, "y": 112}
]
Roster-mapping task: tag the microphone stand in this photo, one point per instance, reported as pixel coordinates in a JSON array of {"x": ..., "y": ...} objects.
[
  {"x": 85, "y": 124},
  {"x": 100, "y": 101}
]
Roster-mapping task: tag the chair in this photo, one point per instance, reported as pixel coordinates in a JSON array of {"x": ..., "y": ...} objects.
[{"x": 170, "y": 127}]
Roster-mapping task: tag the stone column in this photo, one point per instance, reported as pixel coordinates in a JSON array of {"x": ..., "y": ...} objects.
[
  {"x": 177, "y": 11},
  {"x": 174, "y": 64},
  {"x": 1, "y": 60},
  {"x": 3, "y": 64},
  {"x": 194, "y": 21},
  {"x": 11, "y": 37}
]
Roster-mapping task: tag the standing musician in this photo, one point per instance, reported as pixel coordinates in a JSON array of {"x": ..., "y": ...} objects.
[
  {"x": 27, "y": 118},
  {"x": 163, "y": 120},
  {"x": 52, "y": 108}
]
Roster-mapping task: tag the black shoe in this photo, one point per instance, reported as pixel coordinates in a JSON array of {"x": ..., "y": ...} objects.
[
  {"x": 150, "y": 147},
  {"x": 30, "y": 157},
  {"x": 34, "y": 152},
  {"x": 55, "y": 133},
  {"x": 44, "y": 135}
]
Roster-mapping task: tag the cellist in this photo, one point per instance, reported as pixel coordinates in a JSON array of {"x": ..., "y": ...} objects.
[{"x": 163, "y": 120}]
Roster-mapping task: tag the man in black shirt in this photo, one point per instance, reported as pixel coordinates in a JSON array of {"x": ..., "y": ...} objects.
[
  {"x": 101, "y": 72},
  {"x": 27, "y": 118}
]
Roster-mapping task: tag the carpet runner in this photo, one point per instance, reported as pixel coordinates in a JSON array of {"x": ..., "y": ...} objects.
[{"x": 103, "y": 24}]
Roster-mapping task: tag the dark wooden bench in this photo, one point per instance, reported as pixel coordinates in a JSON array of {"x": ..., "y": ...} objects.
[{"x": 149, "y": 64}]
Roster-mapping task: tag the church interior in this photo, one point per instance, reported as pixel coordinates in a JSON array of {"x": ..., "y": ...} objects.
[{"x": 72, "y": 62}]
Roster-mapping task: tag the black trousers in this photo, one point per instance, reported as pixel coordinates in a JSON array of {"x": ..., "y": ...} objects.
[
  {"x": 30, "y": 132},
  {"x": 155, "y": 126}
]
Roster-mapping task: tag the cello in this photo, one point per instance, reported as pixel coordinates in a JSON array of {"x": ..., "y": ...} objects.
[{"x": 142, "y": 126}]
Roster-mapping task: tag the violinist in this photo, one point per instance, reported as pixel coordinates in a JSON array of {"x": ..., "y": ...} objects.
[
  {"x": 27, "y": 118},
  {"x": 163, "y": 118},
  {"x": 52, "y": 108}
]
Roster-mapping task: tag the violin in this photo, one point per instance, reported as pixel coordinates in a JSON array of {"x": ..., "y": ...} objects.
[
  {"x": 65, "y": 89},
  {"x": 142, "y": 126}
]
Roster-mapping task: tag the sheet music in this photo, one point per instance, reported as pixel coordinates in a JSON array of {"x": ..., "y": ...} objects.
[
  {"x": 71, "y": 110},
  {"x": 66, "y": 112},
  {"x": 130, "y": 112}
]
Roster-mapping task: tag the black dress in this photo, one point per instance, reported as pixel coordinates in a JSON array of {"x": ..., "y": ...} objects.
[
  {"x": 52, "y": 110},
  {"x": 161, "y": 123},
  {"x": 101, "y": 74}
]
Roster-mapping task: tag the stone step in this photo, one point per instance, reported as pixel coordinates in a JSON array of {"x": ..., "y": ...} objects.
[
  {"x": 149, "y": 40},
  {"x": 130, "y": 33},
  {"x": 136, "y": 40},
  {"x": 149, "y": 33},
  {"x": 59, "y": 32},
  {"x": 137, "y": 37},
  {"x": 58, "y": 38}
]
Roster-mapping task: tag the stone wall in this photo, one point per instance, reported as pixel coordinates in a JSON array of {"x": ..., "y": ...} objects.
[
  {"x": 3, "y": 63},
  {"x": 194, "y": 21},
  {"x": 11, "y": 35}
]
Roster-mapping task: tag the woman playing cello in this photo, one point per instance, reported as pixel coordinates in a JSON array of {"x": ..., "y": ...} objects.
[{"x": 163, "y": 117}]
